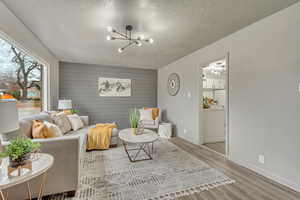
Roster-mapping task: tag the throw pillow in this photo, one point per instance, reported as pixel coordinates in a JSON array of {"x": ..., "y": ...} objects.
[
  {"x": 75, "y": 121},
  {"x": 145, "y": 114},
  {"x": 68, "y": 112},
  {"x": 40, "y": 130},
  {"x": 54, "y": 128},
  {"x": 61, "y": 120},
  {"x": 155, "y": 112}
]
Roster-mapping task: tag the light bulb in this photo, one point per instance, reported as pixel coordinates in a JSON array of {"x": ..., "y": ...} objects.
[
  {"x": 108, "y": 37},
  {"x": 120, "y": 50},
  {"x": 151, "y": 40},
  {"x": 109, "y": 29}
]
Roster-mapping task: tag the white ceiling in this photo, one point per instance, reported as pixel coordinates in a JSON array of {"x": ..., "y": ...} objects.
[{"x": 75, "y": 30}]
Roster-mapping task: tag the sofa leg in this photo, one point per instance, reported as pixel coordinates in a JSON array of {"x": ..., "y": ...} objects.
[
  {"x": 113, "y": 145},
  {"x": 71, "y": 193}
]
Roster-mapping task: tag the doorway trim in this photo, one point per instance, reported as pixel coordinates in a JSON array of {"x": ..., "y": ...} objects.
[{"x": 226, "y": 109}]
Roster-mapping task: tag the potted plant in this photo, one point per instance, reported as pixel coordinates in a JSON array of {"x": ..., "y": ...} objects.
[
  {"x": 19, "y": 151},
  {"x": 73, "y": 111},
  {"x": 134, "y": 118}
]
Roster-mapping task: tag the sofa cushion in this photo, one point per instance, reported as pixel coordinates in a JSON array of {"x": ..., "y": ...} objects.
[
  {"x": 40, "y": 130},
  {"x": 145, "y": 114},
  {"x": 75, "y": 121},
  {"x": 26, "y": 123},
  {"x": 62, "y": 121},
  {"x": 85, "y": 120},
  {"x": 26, "y": 126},
  {"x": 68, "y": 112},
  {"x": 54, "y": 128},
  {"x": 155, "y": 112}
]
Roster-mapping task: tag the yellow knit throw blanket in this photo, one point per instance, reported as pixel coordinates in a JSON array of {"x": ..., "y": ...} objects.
[{"x": 99, "y": 137}]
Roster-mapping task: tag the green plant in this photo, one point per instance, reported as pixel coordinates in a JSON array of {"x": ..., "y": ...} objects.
[
  {"x": 134, "y": 117},
  {"x": 19, "y": 147},
  {"x": 73, "y": 111}
]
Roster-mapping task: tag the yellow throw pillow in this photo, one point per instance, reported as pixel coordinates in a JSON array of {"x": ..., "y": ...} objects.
[
  {"x": 40, "y": 130},
  {"x": 155, "y": 112}
]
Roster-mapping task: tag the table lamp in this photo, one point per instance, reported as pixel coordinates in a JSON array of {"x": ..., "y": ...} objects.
[
  {"x": 8, "y": 117},
  {"x": 65, "y": 104}
]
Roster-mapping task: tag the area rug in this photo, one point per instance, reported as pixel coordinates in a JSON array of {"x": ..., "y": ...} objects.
[{"x": 108, "y": 175}]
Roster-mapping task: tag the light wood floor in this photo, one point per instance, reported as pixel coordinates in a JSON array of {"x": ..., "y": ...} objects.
[
  {"x": 217, "y": 146},
  {"x": 249, "y": 185}
]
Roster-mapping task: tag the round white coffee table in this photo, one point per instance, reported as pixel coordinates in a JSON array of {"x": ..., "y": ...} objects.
[
  {"x": 144, "y": 143},
  {"x": 40, "y": 166}
]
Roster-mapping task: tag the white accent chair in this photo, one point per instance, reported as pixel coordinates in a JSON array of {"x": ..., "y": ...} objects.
[{"x": 152, "y": 124}]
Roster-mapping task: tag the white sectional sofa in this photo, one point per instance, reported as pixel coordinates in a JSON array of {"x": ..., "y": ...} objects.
[{"x": 66, "y": 150}]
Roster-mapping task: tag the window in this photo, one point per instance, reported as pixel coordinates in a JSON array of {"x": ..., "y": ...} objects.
[{"x": 21, "y": 79}]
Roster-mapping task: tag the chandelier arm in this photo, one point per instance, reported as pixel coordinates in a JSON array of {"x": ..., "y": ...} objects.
[
  {"x": 135, "y": 41},
  {"x": 121, "y": 34},
  {"x": 121, "y": 38},
  {"x": 128, "y": 45}
]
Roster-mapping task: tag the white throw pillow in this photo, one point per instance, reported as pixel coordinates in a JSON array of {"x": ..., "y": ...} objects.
[
  {"x": 61, "y": 120},
  {"x": 54, "y": 128},
  {"x": 145, "y": 114},
  {"x": 75, "y": 121}
]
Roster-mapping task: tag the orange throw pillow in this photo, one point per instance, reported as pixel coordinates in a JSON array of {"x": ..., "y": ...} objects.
[
  {"x": 40, "y": 130},
  {"x": 155, "y": 112}
]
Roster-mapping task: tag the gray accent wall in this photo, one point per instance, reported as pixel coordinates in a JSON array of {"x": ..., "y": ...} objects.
[
  {"x": 79, "y": 82},
  {"x": 264, "y": 97}
]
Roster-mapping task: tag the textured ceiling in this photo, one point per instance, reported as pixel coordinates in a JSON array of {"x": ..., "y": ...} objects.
[{"x": 75, "y": 30}]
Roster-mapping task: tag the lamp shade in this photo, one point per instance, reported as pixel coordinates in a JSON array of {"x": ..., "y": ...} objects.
[
  {"x": 64, "y": 104},
  {"x": 8, "y": 116}
]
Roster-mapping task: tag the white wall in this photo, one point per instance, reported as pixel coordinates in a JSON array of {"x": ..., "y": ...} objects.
[
  {"x": 264, "y": 98},
  {"x": 15, "y": 29}
]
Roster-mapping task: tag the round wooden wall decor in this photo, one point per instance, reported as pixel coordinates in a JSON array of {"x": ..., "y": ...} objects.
[{"x": 173, "y": 84}]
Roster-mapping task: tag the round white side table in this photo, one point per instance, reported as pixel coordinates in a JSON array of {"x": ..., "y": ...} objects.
[
  {"x": 40, "y": 166},
  {"x": 165, "y": 130}
]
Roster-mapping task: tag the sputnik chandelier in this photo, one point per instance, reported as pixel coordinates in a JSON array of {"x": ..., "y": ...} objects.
[{"x": 127, "y": 37}]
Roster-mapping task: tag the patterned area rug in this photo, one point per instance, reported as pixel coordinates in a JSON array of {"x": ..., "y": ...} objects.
[{"x": 108, "y": 175}]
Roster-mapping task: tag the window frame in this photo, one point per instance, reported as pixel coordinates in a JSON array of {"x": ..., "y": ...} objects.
[{"x": 45, "y": 72}]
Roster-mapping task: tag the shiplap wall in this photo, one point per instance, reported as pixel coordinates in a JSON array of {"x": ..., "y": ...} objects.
[{"x": 79, "y": 82}]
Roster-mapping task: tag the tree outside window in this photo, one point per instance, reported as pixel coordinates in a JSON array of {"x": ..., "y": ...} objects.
[{"x": 20, "y": 79}]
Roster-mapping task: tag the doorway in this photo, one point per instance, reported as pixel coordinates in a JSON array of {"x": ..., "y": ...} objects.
[{"x": 214, "y": 105}]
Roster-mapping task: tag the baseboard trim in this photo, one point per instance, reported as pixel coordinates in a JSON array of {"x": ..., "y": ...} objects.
[
  {"x": 214, "y": 139},
  {"x": 209, "y": 149},
  {"x": 267, "y": 174},
  {"x": 280, "y": 180}
]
